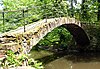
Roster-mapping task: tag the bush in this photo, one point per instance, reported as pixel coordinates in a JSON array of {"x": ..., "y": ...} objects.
[{"x": 12, "y": 60}]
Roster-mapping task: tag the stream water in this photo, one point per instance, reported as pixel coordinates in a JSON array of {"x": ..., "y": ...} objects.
[
  {"x": 65, "y": 60},
  {"x": 75, "y": 62}
]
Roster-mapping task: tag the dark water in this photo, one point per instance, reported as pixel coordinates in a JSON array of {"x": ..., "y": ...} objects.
[
  {"x": 82, "y": 61},
  {"x": 73, "y": 60}
]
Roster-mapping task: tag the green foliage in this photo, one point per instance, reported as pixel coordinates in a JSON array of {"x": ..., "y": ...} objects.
[
  {"x": 52, "y": 8},
  {"x": 46, "y": 9},
  {"x": 35, "y": 64},
  {"x": 33, "y": 10},
  {"x": 85, "y": 12},
  {"x": 58, "y": 37},
  {"x": 10, "y": 4},
  {"x": 13, "y": 60}
]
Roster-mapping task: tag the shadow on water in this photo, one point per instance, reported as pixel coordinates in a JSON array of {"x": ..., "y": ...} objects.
[
  {"x": 71, "y": 59},
  {"x": 84, "y": 57},
  {"x": 50, "y": 58},
  {"x": 74, "y": 57}
]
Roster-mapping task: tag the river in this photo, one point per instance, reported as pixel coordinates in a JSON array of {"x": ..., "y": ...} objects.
[{"x": 65, "y": 60}]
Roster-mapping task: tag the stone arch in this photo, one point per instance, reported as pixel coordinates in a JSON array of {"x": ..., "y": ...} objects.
[
  {"x": 75, "y": 30},
  {"x": 35, "y": 32}
]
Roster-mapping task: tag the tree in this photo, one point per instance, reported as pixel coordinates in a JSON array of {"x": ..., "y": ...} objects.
[
  {"x": 98, "y": 15},
  {"x": 83, "y": 9},
  {"x": 72, "y": 6}
]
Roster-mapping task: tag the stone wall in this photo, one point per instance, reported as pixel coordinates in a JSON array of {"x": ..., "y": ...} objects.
[{"x": 93, "y": 32}]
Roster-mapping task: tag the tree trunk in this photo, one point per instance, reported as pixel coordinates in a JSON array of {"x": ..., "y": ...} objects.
[
  {"x": 83, "y": 9},
  {"x": 72, "y": 13},
  {"x": 98, "y": 15}
]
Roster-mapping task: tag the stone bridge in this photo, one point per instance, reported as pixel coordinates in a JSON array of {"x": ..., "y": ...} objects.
[{"x": 16, "y": 40}]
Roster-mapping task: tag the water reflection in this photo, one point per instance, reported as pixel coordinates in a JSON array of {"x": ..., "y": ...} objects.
[
  {"x": 68, "y": 60},
  {"x": 76, "y": 61}
]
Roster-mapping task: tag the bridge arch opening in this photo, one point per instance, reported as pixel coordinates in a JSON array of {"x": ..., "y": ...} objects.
[{"x": 78, "y": 33}]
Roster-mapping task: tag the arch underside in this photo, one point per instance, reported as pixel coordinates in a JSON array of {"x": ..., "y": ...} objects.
[{"x": 78, "y": 33}]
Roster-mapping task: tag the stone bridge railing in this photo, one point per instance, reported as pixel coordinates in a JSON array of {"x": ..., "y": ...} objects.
[{"x": 16, "y": 40}]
